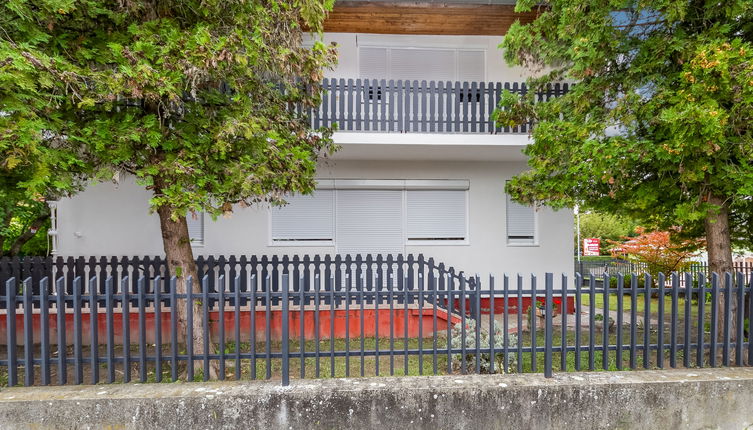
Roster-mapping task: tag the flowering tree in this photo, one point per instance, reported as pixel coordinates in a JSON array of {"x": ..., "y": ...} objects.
[{"x": 657, "y": 250}]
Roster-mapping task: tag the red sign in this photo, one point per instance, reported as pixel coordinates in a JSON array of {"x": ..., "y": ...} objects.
[{"x": 591, "y": 246}]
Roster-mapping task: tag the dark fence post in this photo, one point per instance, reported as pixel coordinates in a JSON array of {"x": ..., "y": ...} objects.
[
  {"x": 78, "y": 374},
  {"x": 189, "y": 328},
  {"x": 221, "y": 284},
  {"x": 61, "y": 347},
  {"x": 157, "y": 303},
  {"x": 93, "y": 329},
  {"x": 109, "y": 329},
  {"x": 285, "y": 333},
  {"x": 45, "y": 326},
  {"x": 28, "y": 332},
  {"x": 10, "y": 291},
  {"x": 174, "y": 329},
  {"x": 125, "y": 304},
  {"x": 549, "y": 280}
]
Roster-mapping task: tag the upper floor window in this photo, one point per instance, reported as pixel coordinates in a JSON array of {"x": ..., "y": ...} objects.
[{"x": 429, "y": 64}]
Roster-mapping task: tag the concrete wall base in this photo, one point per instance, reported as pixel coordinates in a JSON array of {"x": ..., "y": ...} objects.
[{"x": 671, "y": 399}]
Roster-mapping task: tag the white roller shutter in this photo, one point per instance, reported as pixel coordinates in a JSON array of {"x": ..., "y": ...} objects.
[
  {"x": 305, "y": 218},
  {"x": 422, "y": 64},
  {"x": 195, "y": 228},
  {"x": 521, "y": 223},
  {"x": 409, "y": 64},
  {"x": 372, "y": 63},
  {"x": 471, "y": 66},
  {"x": 436, "y": 215},
  {"x": 369, "y": 222}
]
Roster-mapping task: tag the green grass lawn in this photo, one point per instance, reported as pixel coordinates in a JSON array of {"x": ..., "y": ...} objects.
[{"x": 627, "y": 304}]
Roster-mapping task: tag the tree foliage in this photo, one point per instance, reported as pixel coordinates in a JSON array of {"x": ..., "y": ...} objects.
[
  {"x": 607, "y": 227},
  {"x": 658, "y": 123},
  {"x": 659, "y": 250},
  {"x": 194, "y": 94},
  {"x": 204, "y": 101},
  {"x": 34, "y": 166}
]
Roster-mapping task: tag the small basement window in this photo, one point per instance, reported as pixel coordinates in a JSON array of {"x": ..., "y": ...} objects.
[{"x": 306, "y": 218}]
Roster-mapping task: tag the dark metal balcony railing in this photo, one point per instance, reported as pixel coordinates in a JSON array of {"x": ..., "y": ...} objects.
[{"x": 417, "y": 107}]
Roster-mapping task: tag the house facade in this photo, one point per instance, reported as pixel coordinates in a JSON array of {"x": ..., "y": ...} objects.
[{"x": 421, "y": 170}]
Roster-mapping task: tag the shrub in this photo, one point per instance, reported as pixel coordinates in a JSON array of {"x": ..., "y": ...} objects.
[{"x": 484, "y": 343}]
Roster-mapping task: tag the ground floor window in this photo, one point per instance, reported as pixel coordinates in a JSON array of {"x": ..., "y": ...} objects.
[
  {"x": 306, "y": 218},
  {"x": 195, "y": 223},
  {"x": 377, "y": 217},
  {"x": 521, "y": 223}
]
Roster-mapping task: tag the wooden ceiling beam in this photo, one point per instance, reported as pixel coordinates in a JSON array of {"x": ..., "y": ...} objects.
[{"x": 423, "y": 18}]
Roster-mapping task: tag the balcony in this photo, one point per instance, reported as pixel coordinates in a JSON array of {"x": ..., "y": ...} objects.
[{"x": 364, "y": 105}]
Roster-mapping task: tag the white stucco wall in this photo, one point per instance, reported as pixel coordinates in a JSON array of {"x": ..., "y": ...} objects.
[{"x": 109, "y": 219}]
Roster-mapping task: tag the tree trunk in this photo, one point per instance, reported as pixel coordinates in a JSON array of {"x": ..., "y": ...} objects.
[
  {"x": 719, "y": 249},
  {"x": 28, "y": 234},
  {"x": 181, "y": 264}
]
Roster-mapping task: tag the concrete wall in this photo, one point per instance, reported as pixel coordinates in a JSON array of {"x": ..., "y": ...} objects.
[
  {"x": 673, "y": 399},
  {"x": 109, "y": 219}
]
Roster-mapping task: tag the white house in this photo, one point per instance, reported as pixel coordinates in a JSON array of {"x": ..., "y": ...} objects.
[{"x": 422, "y": 169}]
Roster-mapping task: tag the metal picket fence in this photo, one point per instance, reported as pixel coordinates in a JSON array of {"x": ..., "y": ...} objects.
[{"x": 385, "y": 321}]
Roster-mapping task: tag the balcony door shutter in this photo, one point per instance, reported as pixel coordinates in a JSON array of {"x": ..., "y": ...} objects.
[
  {"x": 521, "y": 223},
  {"x": 369, "y": 222},
  {"x": 436, "y": 215},
  {"x": 471, "y": 66},
  {"x": 422, "y": 64},
  {"x": 372, "y": 63}
]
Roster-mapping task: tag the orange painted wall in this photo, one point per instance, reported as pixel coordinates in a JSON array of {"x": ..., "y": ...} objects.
[{"x": 344, "y": 324}]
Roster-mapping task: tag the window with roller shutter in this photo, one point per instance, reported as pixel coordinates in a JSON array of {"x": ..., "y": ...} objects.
[
  {"x": 195, "y": 228},
  {"x": 306, "y": 218},
  {"x": 521, "y": 223},
  {"x": 436, "y": 215},
  {"x": 374, "y": 217}
]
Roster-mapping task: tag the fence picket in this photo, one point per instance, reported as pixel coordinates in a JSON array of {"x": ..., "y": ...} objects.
[
  {"x": 548, "y": 310},
  {"x": 93, "y": 327},
  {"x": 28, "y": 333},
  {"x": 44, "y": 306}
]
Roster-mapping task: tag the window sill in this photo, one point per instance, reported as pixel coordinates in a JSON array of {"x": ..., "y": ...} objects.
[
  {"x": 437, "y": 243},
  {"x": 523, "y": 245},
  {"x": 301, "y": 244}
]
